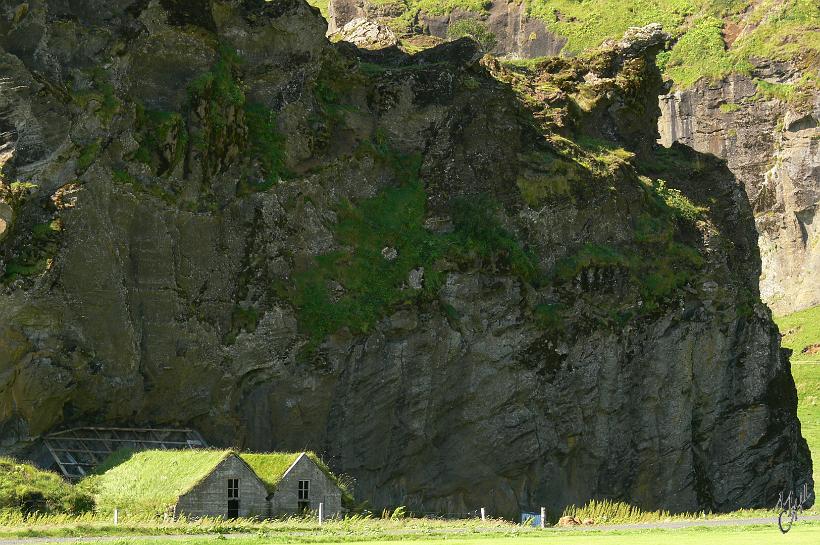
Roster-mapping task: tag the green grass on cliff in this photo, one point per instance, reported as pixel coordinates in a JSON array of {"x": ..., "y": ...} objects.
[
  {"x": 354, "y": 286},
  {"x": 777, "y": 30},
  {"x": 383, "y": 239},
  {"x": 714, "y": 37},
  {"x": 801, "y": 333},
  {"x": 24, "y": 488},
  {"x": 323, "y": 6},
  {"x": 587, "y": 23},
  {"x": 266, "y": 143},
  {"x": 358, "y": 284}
]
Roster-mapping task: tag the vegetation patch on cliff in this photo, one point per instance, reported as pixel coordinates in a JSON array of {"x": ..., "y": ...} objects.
[
  {"x": 266, "y": 143},
  {"x": 218, "y": 125},
  {"x": 35, "y": 254},
  {"x": 383, "y": 238},
  {"x": 163, "y": 139},
  {"x": 714, "y": 38},
  {"x": 102, "y": 95}
]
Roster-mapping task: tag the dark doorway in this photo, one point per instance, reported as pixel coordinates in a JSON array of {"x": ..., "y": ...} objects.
[{"x": 233, "y": 509}]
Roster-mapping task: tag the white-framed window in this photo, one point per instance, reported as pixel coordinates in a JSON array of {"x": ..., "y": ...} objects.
[
  {"x": 304, "y": 490},
  {"x": 233, "y": 489},
  {"x": 303, "y": 497}
]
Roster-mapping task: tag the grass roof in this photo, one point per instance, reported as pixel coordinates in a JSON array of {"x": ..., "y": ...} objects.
[
  {"x": 152, "y": 480},
  {"x": 24, "y": 488},
  {"x": 270, "y": 467}
]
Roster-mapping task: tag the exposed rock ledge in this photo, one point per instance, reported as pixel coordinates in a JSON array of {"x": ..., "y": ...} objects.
[{"x": 517, "y": 34}]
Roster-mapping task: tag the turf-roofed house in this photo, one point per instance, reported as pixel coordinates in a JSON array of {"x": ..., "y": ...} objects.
[{"x": 214, "y": 483}]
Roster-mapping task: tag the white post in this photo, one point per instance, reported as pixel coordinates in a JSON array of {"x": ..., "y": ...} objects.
[
  {"x": 116, "y": 516},
  {"x": 483, "y": 515},
  {"x": 321, "y": 512},
  {"x": 543, "y": 517}
]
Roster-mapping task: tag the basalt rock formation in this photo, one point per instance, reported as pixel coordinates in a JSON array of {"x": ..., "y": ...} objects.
[
  {"x": 464, "y": 283},
  {"x": 773, "y": 147}
]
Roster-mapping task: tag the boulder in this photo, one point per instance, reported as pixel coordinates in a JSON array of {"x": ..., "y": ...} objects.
[{"x": 366, "y": 34}]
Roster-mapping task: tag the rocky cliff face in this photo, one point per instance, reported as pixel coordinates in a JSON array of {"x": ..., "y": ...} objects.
[
  {"x": 464, "y": 283},
  {"x": 772, "y": 146},
  {"x": 732, "y": 118}
]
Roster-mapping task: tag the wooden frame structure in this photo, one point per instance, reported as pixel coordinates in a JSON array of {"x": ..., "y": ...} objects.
[{"x": 77, "y": 451}]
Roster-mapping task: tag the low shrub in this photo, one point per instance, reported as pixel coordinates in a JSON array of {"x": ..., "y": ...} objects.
[{"x": 27, "y": 490}]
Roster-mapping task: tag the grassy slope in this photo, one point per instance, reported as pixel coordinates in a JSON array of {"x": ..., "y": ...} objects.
[
  {"x": 807, "y": 379},
  {"x": 800, "y": 330},
  {"x": 776, "y": 29},
  {"x": 23, "y": 487}
]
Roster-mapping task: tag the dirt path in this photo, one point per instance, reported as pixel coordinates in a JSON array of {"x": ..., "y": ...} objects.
[{"x": 672, "y": 525}]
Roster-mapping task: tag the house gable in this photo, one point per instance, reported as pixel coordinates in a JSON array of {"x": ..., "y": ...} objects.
[
  {"x": 319, "y": 489},
  {"x": 210, "y": 496}
]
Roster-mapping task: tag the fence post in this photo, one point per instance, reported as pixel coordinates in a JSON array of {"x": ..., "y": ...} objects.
[
  {"x": 483, "y": 515},
  {"x": 321, "y": 512},
  {"x": 543, "y": 517},
  {"x": 116, "y": 516}
]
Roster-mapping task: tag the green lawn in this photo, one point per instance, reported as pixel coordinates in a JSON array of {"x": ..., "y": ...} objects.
[
  {"x": 807, "y": 380},
  {"x": 801, "y": 330},
  {"x": 801, "y": 534}
]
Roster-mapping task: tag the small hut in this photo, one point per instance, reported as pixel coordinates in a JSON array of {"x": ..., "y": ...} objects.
[
  {"x": 200, "y": 483},
  {"x": 296, "y": 483}
]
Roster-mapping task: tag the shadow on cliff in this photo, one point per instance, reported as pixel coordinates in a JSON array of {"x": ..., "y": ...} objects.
[{"x": 459, "y": 53}]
